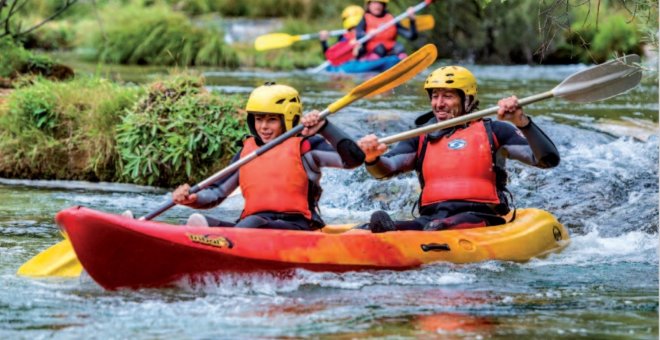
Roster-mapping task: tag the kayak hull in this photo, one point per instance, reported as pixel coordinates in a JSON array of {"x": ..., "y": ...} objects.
[
  {"x": 365, "y": 66},
  {"x": 117, "y": 251}
]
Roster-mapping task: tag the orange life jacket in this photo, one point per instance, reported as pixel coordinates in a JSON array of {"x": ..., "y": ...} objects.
[
  {"x": 276, "y": 181},
  {"x": 386, "y": 37},
  {"x": 459, "y": 167}
]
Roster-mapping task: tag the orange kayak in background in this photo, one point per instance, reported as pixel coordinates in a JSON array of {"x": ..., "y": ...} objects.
[{"x": 118, "y": 251}]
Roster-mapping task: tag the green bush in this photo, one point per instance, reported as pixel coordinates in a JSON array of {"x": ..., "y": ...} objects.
[
  {"x": 595, "y": 39},
  {"x": 300, "y": 9},
  {"x": 158, "y": 36},
  {"x": 178, "y": 132},
  {"x": 12, "y": 57},
  {"x": 54, "y": 35},
  {"x": 615, "y": 36},
  {"x": 63, "y": 130},
  {"x": 34, "y": 107}
]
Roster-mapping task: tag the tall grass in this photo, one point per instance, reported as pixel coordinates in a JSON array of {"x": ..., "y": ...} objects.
[
  {"x": 157, "y": 35},
  {"x": 12, "y": 57},
  {"x": 63, "y": 130}
]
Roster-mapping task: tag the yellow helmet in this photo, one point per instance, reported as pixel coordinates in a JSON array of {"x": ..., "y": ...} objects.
[
  {"x": 454, "y": 77},
  {"x": 272, "y": 98},
  {"x": 351, "y": 16},
  {"x": 383, "y": 1},
  {"x": 352, "y": 21},
  {"x": 351, "y": 11}
]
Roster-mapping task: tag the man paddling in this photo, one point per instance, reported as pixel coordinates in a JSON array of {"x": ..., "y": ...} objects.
[
  {"x": 281, "y": 187},
  {"x": 460, "y": 169},
  {"x": 385, "y": 42}
]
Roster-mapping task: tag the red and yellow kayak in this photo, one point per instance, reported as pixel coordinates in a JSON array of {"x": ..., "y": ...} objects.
[{"x": 117, "y": 251}]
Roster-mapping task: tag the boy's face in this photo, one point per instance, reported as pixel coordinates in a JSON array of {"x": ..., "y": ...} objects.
[{"x": 268, "y": 126}]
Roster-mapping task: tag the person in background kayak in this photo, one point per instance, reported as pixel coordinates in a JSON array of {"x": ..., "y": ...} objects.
[
  {"x": 350, "y": 17},
  {"x": 385, "y": 42},
  {"x": 461, "y": 170},
  {"x": 281, "y": 187}
]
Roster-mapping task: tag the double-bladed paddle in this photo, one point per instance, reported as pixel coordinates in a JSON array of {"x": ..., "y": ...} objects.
[
  {"x": 49, "y": 262},
  {"x": 281, "y": 40},
  {"x": 595, "y": 83},
  {"x": 342, "y": 51}
]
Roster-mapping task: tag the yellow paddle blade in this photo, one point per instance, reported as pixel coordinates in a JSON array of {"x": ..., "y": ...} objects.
[
  {"x": 338, "y": 228},
  {"x": 58, "y": 260},
  {"x": 398, "y": 74},
  {"x": 274, "y": 40},
  {"x": 424, "y": 22}
]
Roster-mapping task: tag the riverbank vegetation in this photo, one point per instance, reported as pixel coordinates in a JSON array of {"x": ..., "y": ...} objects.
[
  {"x": 92, "y": 129},
  {"x": 173, "y": 130},
  {"x": 178, "y": 132},
  {"x": 169, "y": 32},
  {"x": 20, "y": 64}
]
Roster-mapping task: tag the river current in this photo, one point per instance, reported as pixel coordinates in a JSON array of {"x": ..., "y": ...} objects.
[{"x": 604, "y": 285}]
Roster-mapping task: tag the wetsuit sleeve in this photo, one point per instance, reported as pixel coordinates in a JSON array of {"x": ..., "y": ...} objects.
[
  {"x": 402, "y": 158},
  {"x": 324, "y": 44},
  {"x": 360, "y": 32},
  {"x": 219, "y": 191},
  {"x": 361, "y": 29},
  {"x": 410, "y": 34},
  {"x": 337, "y": 150},
  {"x": 528, "y": 144}
]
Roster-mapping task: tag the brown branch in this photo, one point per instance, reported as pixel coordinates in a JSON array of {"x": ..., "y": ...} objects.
[{"x": 11, "y": 9}]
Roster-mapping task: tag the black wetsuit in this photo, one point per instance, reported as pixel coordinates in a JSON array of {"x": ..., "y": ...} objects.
[
  {"x": 528, "y": 145},
  {"x": 335, "y": 149}
]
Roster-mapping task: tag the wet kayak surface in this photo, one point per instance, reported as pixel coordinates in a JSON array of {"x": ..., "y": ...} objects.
[{"x": 604, "y": 285}]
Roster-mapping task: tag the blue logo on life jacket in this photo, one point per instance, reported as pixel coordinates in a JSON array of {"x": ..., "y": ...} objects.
[{"x": 457, "y": 144}]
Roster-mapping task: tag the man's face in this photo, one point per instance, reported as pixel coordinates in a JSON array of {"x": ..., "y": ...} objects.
[
  {"x": 376, "y": 8},
  {"x": 446, "y": 103},
  {"x": 268, "y": 126}
]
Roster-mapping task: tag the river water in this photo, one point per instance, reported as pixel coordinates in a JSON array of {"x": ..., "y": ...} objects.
[{"x": 604, "y": 285}]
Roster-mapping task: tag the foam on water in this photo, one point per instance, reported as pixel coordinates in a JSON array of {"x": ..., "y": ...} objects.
[{"x": 592, "y": 249}]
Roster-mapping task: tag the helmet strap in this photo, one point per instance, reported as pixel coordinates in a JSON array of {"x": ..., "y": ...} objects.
[{"x": 471, "y": 104}]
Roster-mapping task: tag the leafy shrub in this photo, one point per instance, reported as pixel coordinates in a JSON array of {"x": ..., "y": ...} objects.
[
  {"x": 34, "y": 107},
  {"x": 615, "y": 36},
  {"x": 63, "y": 130},
  {"x": 54, "y": 35},
  {"x": 12, "y": 57},
  {"x": 178, "y": 132}
]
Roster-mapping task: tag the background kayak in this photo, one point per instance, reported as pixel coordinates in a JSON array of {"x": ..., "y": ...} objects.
[{"x": 365, "y": 66}]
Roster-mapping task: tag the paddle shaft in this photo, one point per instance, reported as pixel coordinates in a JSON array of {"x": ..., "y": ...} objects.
[
  {"x": 230, "y": 169},
  {"x": 336, "y": 33},
  {"x": 459, "y": 120},
  {"x": 392, "y": 22}
]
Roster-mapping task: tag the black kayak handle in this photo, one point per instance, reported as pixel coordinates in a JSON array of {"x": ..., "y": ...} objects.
[{"x": 435, "y": 247}]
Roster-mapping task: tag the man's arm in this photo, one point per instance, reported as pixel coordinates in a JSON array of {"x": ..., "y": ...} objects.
[
  {"x": 336, "y": 149},
  {"x": 528, "y": 144},
  {"x": 400, "y": 159}
]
